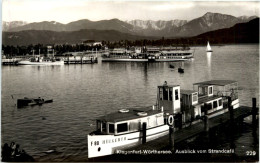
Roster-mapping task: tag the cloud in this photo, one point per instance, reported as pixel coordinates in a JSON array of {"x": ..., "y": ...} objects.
[
  {"x": 65, "y": 11},
  {"x": 172, "y": 6}
]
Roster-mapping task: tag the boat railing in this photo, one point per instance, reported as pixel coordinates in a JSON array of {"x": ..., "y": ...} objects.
[{"x": 232, "y": 94}]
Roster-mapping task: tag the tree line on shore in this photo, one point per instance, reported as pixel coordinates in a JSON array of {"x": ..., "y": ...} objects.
[
  {"x": 240, "y": 33},
  {"x": 10, "y": 50},
  {"x": 214, "y": 38}
]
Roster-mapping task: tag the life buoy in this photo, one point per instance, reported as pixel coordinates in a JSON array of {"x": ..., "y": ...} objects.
[
  {"x": 123, "y": 110},
  {"x": 142, "y": 113},
  {"x": 170, "y": 120}
]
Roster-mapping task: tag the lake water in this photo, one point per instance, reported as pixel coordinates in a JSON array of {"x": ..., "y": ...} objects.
[{"x": 81, "y": 93}]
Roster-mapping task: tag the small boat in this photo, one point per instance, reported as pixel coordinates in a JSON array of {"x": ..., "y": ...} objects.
[
  {"x": 209, "y": 48},
  {"x": 171, "y": 66},
  {"x": 13, "y": 153},
  {"x": 31, "y": 101},
  {"x": 175, "y": 107},
  {"x": 181, "y": 70},
  {"x": 50, "y": 151}
]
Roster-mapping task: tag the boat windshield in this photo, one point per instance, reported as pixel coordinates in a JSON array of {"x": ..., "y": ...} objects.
[
  {"x": 98, "y": 129},
  {"x": 103, "y": 127}
]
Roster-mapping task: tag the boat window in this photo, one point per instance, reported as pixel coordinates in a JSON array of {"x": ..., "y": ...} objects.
[
  {"x": 133, "y": 126},
  {"x": 200, "y": 90},
  {"x": 99, "y": 126},
  {"x": 122, "y": 127},
  {"x": 220, "y": 102},
  {"x": 176, "y": 94},
  {"x": 209, "y": 106},
  {"x": 215, "y": 104},
  {"x": 111, "y": 128},
  {"x": 170, "y": 94},
  {"x": 104, "y": 127},
  {"x": 160, "y": 94},
  {"x": 210, "y": 90},
  {"x": 206, "y": 91},
  {"x": 165, "y": 93},
  {"x": 194, "y": 97}
]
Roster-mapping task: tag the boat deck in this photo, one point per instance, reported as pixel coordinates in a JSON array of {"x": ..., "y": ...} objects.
[
  {"x": 132, "y": 114},
  {"x": 206, "y": 99}
]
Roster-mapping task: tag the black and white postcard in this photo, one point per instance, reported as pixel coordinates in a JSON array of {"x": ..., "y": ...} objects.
[{"x": 129, "y": 81}]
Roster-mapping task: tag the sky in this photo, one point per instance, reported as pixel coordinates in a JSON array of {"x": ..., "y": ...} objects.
[{"x": 65, "y": 11}]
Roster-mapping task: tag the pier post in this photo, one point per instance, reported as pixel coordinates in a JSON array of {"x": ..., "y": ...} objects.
[
  {"x": 180, "y": 120},
  {"x": 254, "y": 111},
  {"x": 206, "y": 123},
  {"x": 230, "y": 109},
  {"x": 206, "y": 108},
  {"x": 171, "y": 135},
  {"x": 144, "y": 133}
]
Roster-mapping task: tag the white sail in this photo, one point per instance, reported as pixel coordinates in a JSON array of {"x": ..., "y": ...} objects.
[{"x": 209, "y": 48}]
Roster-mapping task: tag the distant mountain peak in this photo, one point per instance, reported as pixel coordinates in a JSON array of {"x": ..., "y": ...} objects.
[
  {"x": 13, "y": 24},
  {"x": 209, "y": 13},
  {"x": 156, "y": 24}
]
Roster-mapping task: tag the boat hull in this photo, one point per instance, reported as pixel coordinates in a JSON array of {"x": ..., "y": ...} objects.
[
  {"x": 144, "y": 60},
  {"x": 102, "y": 145},
  {"x": 40, "y": 63},
  {"x": 123, "y": 60}
]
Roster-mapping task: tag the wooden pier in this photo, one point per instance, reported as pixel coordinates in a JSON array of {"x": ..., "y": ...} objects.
[
  {"x": 81, "y": 61},
  {"x": 168, "y": 142},
  {"x": 193, "y": 130},
  {"x": 13, "y": 61}
]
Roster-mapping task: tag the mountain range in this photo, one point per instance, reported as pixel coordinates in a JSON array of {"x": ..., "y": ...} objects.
[
  {"x": 173, "y": 28},
  {"x": 114, "y": 29},
  {"x": 240, "y": 33}
]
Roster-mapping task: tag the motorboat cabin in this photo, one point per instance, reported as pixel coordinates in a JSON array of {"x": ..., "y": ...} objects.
[
  {"x": 219, "y": 88},
  {"x": 129, "y": 120},
  {"x": 208, "y": 98},
  {"x": 169, "y": 97},
  {"x": 122, "y": 129}
]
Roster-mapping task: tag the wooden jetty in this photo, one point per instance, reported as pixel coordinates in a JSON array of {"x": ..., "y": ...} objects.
[
  {"x": 13, "y": 61},
  {"x": 193, "y": 130},
  {"x": 168, "y": 142},
  {"x": 80, "y": 60}
]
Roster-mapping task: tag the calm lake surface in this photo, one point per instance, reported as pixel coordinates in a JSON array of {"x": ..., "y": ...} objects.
[{"x": 81, "y": 93}]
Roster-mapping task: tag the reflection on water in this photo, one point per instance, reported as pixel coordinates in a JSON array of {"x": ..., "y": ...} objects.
[
  {"x": 209, "y": 63},
  {"x": 81, "y": 93}
]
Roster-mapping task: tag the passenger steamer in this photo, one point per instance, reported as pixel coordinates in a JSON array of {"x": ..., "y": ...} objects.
[
  {"x": 181, "y": 108},
  {"x": 150, "y": 54},
  {"x": 124, "y": 55},
  {"x": 41, "y": 61}
]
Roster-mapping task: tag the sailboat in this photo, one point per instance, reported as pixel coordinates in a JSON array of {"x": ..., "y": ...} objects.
[{"x": 209, "y": 48}]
